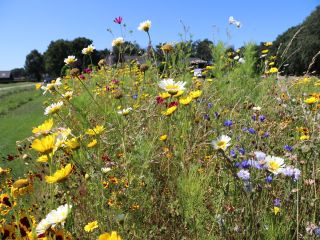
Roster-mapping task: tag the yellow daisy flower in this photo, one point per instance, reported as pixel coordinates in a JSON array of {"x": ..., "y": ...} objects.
[
  {"x": 107, "y": 236},
  {"x": 44, "y": 145},
  {"x": 92, "y": 143},
  {"x": 169, "y": 111},
  {"x": 163, "y": 137},
  {"x": 91, "y": 226},
  {"x": 44, "y": 128},
  {"x": 195, "y": 94},
  {"x": 59, "y": 175},
  {"x": 96, "y": 130},
  {"x": 185, "y": 101}
]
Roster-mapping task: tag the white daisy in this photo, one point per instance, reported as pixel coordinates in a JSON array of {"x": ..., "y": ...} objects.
[
  {"x": 53, "y": 108},
  {"x": 145, "y": 26},
  {"x": 274, "y": 164},
  {"x": 222, "y": 142},
  {"x": 171, "y": 86},
  {"x": 70, "y": 60}
]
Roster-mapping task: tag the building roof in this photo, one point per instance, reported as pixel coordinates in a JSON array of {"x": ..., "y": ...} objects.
[{"x": 5, "y": 74}]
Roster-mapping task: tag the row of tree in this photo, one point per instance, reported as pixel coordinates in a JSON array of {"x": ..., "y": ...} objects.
[{"x": 51, "y": 62}]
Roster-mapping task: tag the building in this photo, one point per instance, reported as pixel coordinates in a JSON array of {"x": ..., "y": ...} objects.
[{"x": 6, "y": 77}]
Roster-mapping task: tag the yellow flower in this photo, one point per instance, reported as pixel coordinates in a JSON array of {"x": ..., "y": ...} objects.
[
  {"x": 164, "y": 95},
  {"x": 42, "y": 159},
  {"x": 91, "y": 226},
  {"x": 73, "y": 143},
  {"x": 195, "y": 94},
  {"x": 96, "y": 130},
  {"x": 107, "y": 236},
  {"x": 311, "y": 100},
  {"x": 44, "y": 128},
  {"x": 185, "y": 101},
  {"x": 169, "y": 111},
  {"x": 267, "y": 44},
  {"x": 304, "y": 137},
  {"x": 276, "y": 210},
  {"x": 44, "y": 145},
  {"x": 178, "y": 94},
  {"x": 92, "y": 143},
  {"x": 265, "y": 51},
  {"x": 59, "y": 175},
  {"x": 209, "y": 80},
  {"x": 21, "y": 187},
  {"x": 273, "y": 70},
  {"x": 163, "y": 137},
  {"x": 38, "y": 86},
  {"x": 53, "y": 108},
  {"x": 4, "y": 170}
]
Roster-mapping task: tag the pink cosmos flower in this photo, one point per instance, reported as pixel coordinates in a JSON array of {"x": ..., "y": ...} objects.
[{"x": 118, "y": 20}]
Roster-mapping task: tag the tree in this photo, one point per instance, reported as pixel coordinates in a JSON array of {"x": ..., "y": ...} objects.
[
  {"x": 34, "y": 65},
  {"x": 298, "y": 45},
  {"x": 54, "y": 56},
  {"x": 18, "y": 73},
  {"x": 202, "y": 49}
]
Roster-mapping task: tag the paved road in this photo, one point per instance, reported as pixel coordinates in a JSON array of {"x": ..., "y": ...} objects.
[{"x": 18, "y": 86}]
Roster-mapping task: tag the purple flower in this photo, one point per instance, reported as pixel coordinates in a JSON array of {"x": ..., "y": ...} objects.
[
  {"x": 118, "y": 20},
  {"x": 245, "y": 129},
  {"x": 265, "y": 135},
  {"x": 135, "y": 96},
  {"x": 206, "y": 117},
  {"x": 277, "y": 202},
  {"x": 254, "y": 117},
  {"x": 288, "y": 148},
  {"x": 237, "y": 164},
  {"x": 317, "y": 231},
  {"x": 244, "y": 175},
  {"x": 260, "y": 156},
  {"x": 228, "y": 123},
  {"x": 269, "y": 179},
  {"x": 255, "y": 164},
  {"x": 210, "y": 105},
  {"x": 233, "y": 153},
  {"x": 242, "y": 151},
  {"x": 290, "y": 171},
  {"x": 245, "y": 164},
  {"x": 251, "y": 130},
  {"x": 262, "y": 118},
  {"x": 216, "y": 114}
]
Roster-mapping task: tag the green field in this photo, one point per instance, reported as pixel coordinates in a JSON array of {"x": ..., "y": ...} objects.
[{"x": 20, "y": 110}]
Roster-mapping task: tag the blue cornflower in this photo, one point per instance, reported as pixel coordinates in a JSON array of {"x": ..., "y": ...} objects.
[
  {"x": 210, "y": 105},
  {"x": 216, "y": 114},
  {"x": 317, "y": 231},
  {"x": 242, "y": 151},
  {"x": 251, "y": 130},
  {"x": 237, "y": 164},
  {"x": 245, "y": 129},
  {"x": 135, "y": 96},
  {"x": 244, "y": 175},
  {"x": 245, "y": 164},
  {"x": 269, "y": 179},
  {"x": 262, "y": 118},
  {"x": 288, "y": 148},
  {"x": 277, "y": 202},
  {"x": 233, "y": 153},
  {"x": 228, "y": 123},
  {"x": 206, "y": 117},
  {"x": 254, "y": 117},
  {"x": 266, "y": 135}
]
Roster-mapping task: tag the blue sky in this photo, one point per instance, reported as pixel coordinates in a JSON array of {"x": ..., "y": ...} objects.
[{"x": 32, "y": 24}]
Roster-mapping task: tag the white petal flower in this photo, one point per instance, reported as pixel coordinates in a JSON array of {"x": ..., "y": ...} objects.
[
  {"x": 42, "y": 226},
  {"x": 171, "y": 86},
  {"x": 70, "y": 60},
  {"x": 145, "y": 26},
  {"x": 222, "y": 142},
  {"x": 117, "y": 42},
  {"x": 274, "y": 164},
  {"x": 59, "y": 215},
  {"x": 125, "y": 111},
  {"x": 53, "y": 108}
]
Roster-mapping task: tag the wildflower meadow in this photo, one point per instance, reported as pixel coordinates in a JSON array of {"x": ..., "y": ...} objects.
[{"x": 156, "y": 150}]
